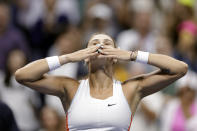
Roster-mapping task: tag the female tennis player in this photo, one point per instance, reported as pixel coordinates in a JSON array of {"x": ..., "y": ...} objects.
[{"x": 100, "y": 102}]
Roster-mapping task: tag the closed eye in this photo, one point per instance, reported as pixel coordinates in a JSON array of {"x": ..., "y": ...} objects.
[
  {"x": 95, "y": 43},
  {"x": 108, "y": 43}
]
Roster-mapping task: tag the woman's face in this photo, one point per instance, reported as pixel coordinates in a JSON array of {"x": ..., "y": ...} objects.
[
  {"x": 104, "y": 40},
  {"x": 187, "y": 95},
  {"x": 186, "y": 41},
  {"x": 16, "y": 60}
]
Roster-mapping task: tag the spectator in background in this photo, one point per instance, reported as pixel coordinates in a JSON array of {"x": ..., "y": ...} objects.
[
  {"x": 182, "y": 10},
  {"x": 186, "y": 49},
  {"x": 98, "y": 18},
  {"x": 42, "y": 20},
  {"x": 148, "y": 113},
  {"x": 71, "y": 9},
  {"x": 27, "y": 12},
  {"x": 180, "y": 114},
  {"x": 50, "y": 120},
  {"x": 20, "y": 99},
  {"x": 10, "y": 37},
  {"x": 7, "y": 120},
  {"x": 140, "y": 35},
  {"x": 47, "y": 28},
  {"x": 163, "y": 45}
]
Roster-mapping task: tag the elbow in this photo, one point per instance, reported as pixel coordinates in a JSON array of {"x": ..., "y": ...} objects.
[
  {"x": 19, "y": 76},
  {"x": 184, "y": 68}
]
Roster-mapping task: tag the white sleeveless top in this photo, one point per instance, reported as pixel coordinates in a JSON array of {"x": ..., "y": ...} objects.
[{"x": 91, "y": 114}]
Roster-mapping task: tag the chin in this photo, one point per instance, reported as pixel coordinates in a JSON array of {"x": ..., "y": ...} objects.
[{"x": 100, "y": 63}]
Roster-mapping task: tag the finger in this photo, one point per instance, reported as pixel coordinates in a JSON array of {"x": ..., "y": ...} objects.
[
  {"x": 93, "y": 54},
  {"x": 107, "y": 47},
  {"x": 110, "y": 50},
  {"x": 94, "y": 48},
  {"x": 104, "y": 52},
  {"x": 91, "y": 48},
  {"x": 107, "y": 56}
]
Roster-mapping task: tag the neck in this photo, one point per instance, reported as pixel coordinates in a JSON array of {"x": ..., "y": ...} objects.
[{"x": 100, "y": 79}]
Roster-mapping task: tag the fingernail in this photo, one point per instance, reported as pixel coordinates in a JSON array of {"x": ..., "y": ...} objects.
[
  {"x": 102, "y": 46},
  {"x": 99, "y": 50},
  {"x": 98, "y": 45}
]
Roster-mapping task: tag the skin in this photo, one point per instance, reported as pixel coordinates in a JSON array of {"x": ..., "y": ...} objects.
[
  {"x": 187, "y": 98},
  {"x": 50, "y": 119},
  {"x": 16, "y": 60},
  {"x": 100, "y": 77},
  {"x": 4, "y": 17}
]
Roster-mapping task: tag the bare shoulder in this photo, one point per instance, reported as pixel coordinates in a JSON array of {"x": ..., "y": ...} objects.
[{"x": 68, "y": 85}]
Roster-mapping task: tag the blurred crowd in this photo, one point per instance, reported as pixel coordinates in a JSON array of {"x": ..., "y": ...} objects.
[{"x": 35, "y": 29}]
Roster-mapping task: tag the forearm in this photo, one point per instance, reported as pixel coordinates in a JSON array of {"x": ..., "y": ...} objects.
[
  {"x": 169, "y": 71},
  {"x": 35, "y": 70},
  {"x": 167, "y": 64}
]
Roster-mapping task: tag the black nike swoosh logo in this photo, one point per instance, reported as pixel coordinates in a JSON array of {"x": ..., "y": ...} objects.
[{"x": 111, "y": 104}]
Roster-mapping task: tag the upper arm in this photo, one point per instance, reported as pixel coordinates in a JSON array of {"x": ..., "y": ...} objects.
[
  {"x": 52, "y": 85},
  {"x": 153, "y": 82}
]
